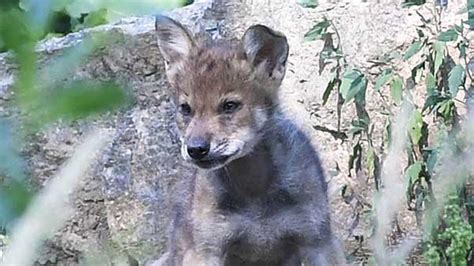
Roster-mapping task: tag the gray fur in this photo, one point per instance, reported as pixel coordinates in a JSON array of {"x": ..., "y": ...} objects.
[
  {"x": 271, "y": 207},
  {"x": 267, "y": 205}
]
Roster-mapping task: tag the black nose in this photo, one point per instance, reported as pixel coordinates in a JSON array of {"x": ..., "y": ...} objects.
[{"x": 198, "y": 148}]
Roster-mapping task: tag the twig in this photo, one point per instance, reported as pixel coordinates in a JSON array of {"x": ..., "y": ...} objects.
[{"x": 337, "y": 134}]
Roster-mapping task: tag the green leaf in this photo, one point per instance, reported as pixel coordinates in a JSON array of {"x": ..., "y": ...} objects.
[
  {"x": 430, "y": 84},
  {"x": 410, "y": 3},
  {"x": 462, "y": 46},
  {"x": 318, "y": 31},
  {"x": 439, "y": 48},
  {"x": 415, "y": 126},
  {"x": 448, "y": 36},
  {"x": 371, "y": 161},
  {"x": 412, "y": 173},
  {"x": 455, "y": 79},
  {"x": 470, "y": 22},
  {"x": 458, "y": 28},
  {"x": 308, "y": 3},
  {"x": 396, "y": 87},
  {"x": 417, "y": 70},
  {"x": 95, "y": 18},
  {"x": 353, "y": 82},
  {"x": 358, "y": 126},
  {"x": 329, "y": 89},
  {"x": 79, "y": 99},
  {"x": 327, "y": 52},
  {"x": 445, "y": 109},
  {"x": 383, "y": 78},
  {"x": 355, "y": 159},
  {"x": 412, "y": 50}
]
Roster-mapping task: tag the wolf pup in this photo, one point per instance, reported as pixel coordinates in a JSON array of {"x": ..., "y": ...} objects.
[{"x": 258, "y": 196}]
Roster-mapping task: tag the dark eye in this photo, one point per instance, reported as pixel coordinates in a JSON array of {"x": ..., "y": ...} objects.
[
  {"x": 230, "y": 107},
  {"x": 185, "y": 109}
]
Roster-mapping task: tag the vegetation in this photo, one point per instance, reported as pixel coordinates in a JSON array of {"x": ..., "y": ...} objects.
[
  {"x": 66, "y": 16},
  {"x": 43, "y": 99},
  {"x": 437, "y": 138},
  {"x": 440, "y": 65}
]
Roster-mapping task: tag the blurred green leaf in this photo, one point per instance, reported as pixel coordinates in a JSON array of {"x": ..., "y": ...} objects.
[
  {"x": 308, "y": 3},
  {"x": 78, "y": 99},
  {"x": 15, "y": 197},
  {"x": 448, "y": 36},
  {"x": 117, "y": 9},
  {"x": 353, "y": 82},
  {"x": 412, "y": 50},
  {"x": 62, "y": 67},
  {"x": 462, "y": 46},
  {"x": 445, "y": 108},
  {"x": 431, "y": 161},
  {"x": 6, "y": 4},
  {"x": 15, "y": 37},
  {"x": 415, "y": 125},
  {"x": 396, "y": 87},
  {"x": 458, "y": 28},
  {"x": 318, "y": 31},
  {"x": 11, "y": 164},
  {"x": 371, "y": 161},
  {"x": 430, "y": 84},
  {"x": 455, "y": 79},
  {"x": 21, "y": 40},
  {"x": 95, "y": 18},
  {"x": 413, "y": 171},
  {"x": 383, "y": 78}
]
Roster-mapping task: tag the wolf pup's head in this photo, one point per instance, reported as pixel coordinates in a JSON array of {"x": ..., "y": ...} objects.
[{"x": 224, "y": 92}]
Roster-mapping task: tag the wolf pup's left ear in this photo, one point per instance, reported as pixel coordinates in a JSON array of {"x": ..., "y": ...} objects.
[
  {"x": 267, "y": 50},
  {"x": 174, "y": 40}
]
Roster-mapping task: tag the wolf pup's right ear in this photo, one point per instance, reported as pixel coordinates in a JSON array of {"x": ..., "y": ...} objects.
[
  {"x": 267, "y": 50},
  {"x": 174, "y": 41}
]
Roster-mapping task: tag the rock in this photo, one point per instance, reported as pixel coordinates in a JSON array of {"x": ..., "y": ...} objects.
[{"x": 122, "y": 205}]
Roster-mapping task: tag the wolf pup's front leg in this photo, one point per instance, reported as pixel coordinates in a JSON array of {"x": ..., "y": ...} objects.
[
  {"x": 193, "y": 258},
  {"x": 329, "y": 253}
]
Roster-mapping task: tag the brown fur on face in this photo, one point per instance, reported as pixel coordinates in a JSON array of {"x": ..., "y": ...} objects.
[{"x": 206, "y": 76}]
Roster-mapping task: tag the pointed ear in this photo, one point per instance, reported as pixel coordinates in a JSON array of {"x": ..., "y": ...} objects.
[
  {"x": 174, "y": 40},
  {"x": 267, "y": 50}
]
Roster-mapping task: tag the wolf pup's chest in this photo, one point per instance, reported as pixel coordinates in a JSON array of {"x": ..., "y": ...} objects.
[
  {"x": 263, "y": 206},
  {"x": 245, "y": 224}
]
